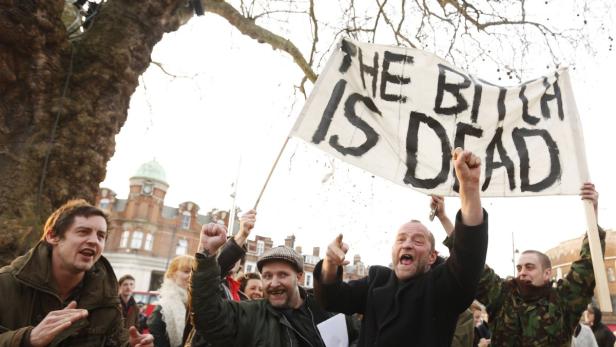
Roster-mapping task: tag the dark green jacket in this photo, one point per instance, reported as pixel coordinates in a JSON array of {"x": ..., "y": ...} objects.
[
  {"x": 247, "y": 323},
  {"x": 27, "y": 295},
  {"x": 465, "y": 330},
  {"x": 545, "y": 320}
]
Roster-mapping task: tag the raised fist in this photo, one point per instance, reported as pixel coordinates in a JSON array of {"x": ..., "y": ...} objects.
[
  {"x": 468, "y": 167},
  {"x": 213, "y": 236}
]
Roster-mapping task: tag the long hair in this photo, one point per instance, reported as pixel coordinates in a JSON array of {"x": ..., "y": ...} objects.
[{"x": 179, "y": 263}]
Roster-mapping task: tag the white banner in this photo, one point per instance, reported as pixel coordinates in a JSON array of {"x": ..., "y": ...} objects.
[{"x": 398, "y": 112}]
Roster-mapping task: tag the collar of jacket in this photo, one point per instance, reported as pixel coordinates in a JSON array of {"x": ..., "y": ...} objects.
[
  {"x": 34, "y": 270},
  {"x": 309, "y": 301},
  {"x": 529, "y": 292}
]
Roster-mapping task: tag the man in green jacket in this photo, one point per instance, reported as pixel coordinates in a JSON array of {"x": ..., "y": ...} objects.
[
  {"x": 529, "y": 310},
  {"x": 288, "y": 315},
  {"x": 63, "y": 292}
]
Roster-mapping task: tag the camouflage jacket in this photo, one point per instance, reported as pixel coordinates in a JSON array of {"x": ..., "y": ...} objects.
[{"x": 540, "y": 320}]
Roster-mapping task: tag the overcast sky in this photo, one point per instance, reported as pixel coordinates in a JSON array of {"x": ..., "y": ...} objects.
[{"x": 233, "y": 105}]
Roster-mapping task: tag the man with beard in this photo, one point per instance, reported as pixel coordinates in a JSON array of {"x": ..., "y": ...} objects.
[
  {"x": 529, "y": 310},
  {"x": 412, "y": 304},
  {"x": 287, "y": 317},
  {"x": 63, "y": 292}
]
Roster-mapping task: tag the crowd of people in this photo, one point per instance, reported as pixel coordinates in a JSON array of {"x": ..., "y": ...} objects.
[{"x": 63, "y": 292}]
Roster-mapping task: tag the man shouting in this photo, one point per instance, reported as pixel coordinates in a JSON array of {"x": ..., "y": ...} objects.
[{"x": 412, "y": 304}]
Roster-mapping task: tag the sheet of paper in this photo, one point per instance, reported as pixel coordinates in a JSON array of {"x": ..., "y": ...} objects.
[{"x": 334, "y": 331}]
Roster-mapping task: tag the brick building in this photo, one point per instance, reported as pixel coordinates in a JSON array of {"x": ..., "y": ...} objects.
[
  {"x": 568, "y": 251},
  {"x": 145, "y": 234}
]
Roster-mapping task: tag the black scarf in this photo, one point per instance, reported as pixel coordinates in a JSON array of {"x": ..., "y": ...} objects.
[{"x": 530, "y": 292}]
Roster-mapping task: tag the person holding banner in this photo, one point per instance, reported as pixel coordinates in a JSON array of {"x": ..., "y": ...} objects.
[
  {"x": 411, "y": 304},
  {"x": 529, "y": 310}
]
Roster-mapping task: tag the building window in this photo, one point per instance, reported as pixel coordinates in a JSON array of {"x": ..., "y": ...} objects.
[
  {"x": 149, "y": 241},
  {"x": 248, "y": 268},
  {"x": 182, "y": 247},
  {"x": 260, "y": 247},
  {"x": 136, "y": 240},
  {"x": 308, "y": 281},
  {"x": 610, "y": 275},
  {"x": 124, "y": 239},
  {"x": 186, "y": 220},
  {"x": 103, "y": 204},
  {"x": 311, "y": 259}
]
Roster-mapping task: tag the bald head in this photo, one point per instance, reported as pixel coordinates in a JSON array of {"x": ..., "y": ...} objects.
[
  {"x": 414, "y": 224},
  {"x": 413, "y": 250}
]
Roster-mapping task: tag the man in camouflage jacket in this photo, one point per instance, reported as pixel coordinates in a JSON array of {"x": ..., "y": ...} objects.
[{"x": 530, "y": 310}]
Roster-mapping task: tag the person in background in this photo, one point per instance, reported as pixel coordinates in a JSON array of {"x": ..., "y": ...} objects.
[
  {"x": 603, "y": 335},
  {"x": 167, "y": 321},
  {"x": 143, "y": 319},
  {"x": 251, "y": 286},
  {"x": 583, "y": 336},
  {"x": 130, "y": 310},
  {"x": 482, "y": 332}
]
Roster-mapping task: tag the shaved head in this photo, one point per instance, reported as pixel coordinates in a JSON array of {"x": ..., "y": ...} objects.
[
  {"x": 413, "y": 250},
  {"x": 544, "y": 260},
  {"x": 413, "y": 223}
]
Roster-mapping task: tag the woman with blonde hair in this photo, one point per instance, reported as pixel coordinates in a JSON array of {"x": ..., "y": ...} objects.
[{"x": 167, "y": 322}]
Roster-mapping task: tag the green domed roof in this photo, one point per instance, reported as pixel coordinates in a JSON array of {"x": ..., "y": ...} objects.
[{"x": 152, "y": 170}]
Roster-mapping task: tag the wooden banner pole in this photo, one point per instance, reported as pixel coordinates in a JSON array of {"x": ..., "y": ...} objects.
[
  {"x": 602, "y": 292},
  {"x": 271, "y": 172}
]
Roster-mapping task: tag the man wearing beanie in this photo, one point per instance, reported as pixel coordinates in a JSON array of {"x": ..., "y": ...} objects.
[{"x": 287, "y": 316}]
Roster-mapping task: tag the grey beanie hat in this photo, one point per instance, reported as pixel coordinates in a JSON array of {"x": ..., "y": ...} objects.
[{"x": 281, "y": 253}]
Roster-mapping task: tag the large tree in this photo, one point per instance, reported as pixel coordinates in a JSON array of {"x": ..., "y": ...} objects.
[{"x": 68, "y": 70}]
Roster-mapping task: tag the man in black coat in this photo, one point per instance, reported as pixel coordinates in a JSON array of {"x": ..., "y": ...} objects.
[{"x": 412, "y": 305}]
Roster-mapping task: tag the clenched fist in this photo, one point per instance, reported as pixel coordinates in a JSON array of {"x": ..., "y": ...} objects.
[
  {"x": 213, "y": 236},
  {"x": 468, "y": 167}
]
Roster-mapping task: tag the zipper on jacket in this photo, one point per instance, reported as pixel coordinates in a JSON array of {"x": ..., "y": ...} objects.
[
  {"x": 314, "y": 326},
  {"x": 290, "y": 326}
]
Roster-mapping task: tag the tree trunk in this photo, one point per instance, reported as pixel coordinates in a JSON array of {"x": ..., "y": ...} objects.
[{"x": 62, "y": 103}]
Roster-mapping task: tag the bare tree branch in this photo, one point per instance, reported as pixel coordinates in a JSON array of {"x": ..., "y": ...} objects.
[{"x": 248, "y": 27}]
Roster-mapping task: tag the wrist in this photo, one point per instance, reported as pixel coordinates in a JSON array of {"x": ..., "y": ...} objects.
[
  {"x": 329, "y": 265},
  {"x": 208, "y": 250}
]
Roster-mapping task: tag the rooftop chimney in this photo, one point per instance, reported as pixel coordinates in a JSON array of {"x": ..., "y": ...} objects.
[
  {"x": 289, "y": 241},
  {"x": 316, "y": 251}
]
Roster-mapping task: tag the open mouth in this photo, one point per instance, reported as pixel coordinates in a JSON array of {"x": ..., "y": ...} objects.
[
  {"x": 277, "y": 292},
  {"x": 87, "y": 252},
  {"x": 406, "y": 259}
]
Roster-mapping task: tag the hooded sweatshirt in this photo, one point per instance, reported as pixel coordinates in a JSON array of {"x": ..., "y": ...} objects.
[{"x": 603, "y": 335}]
